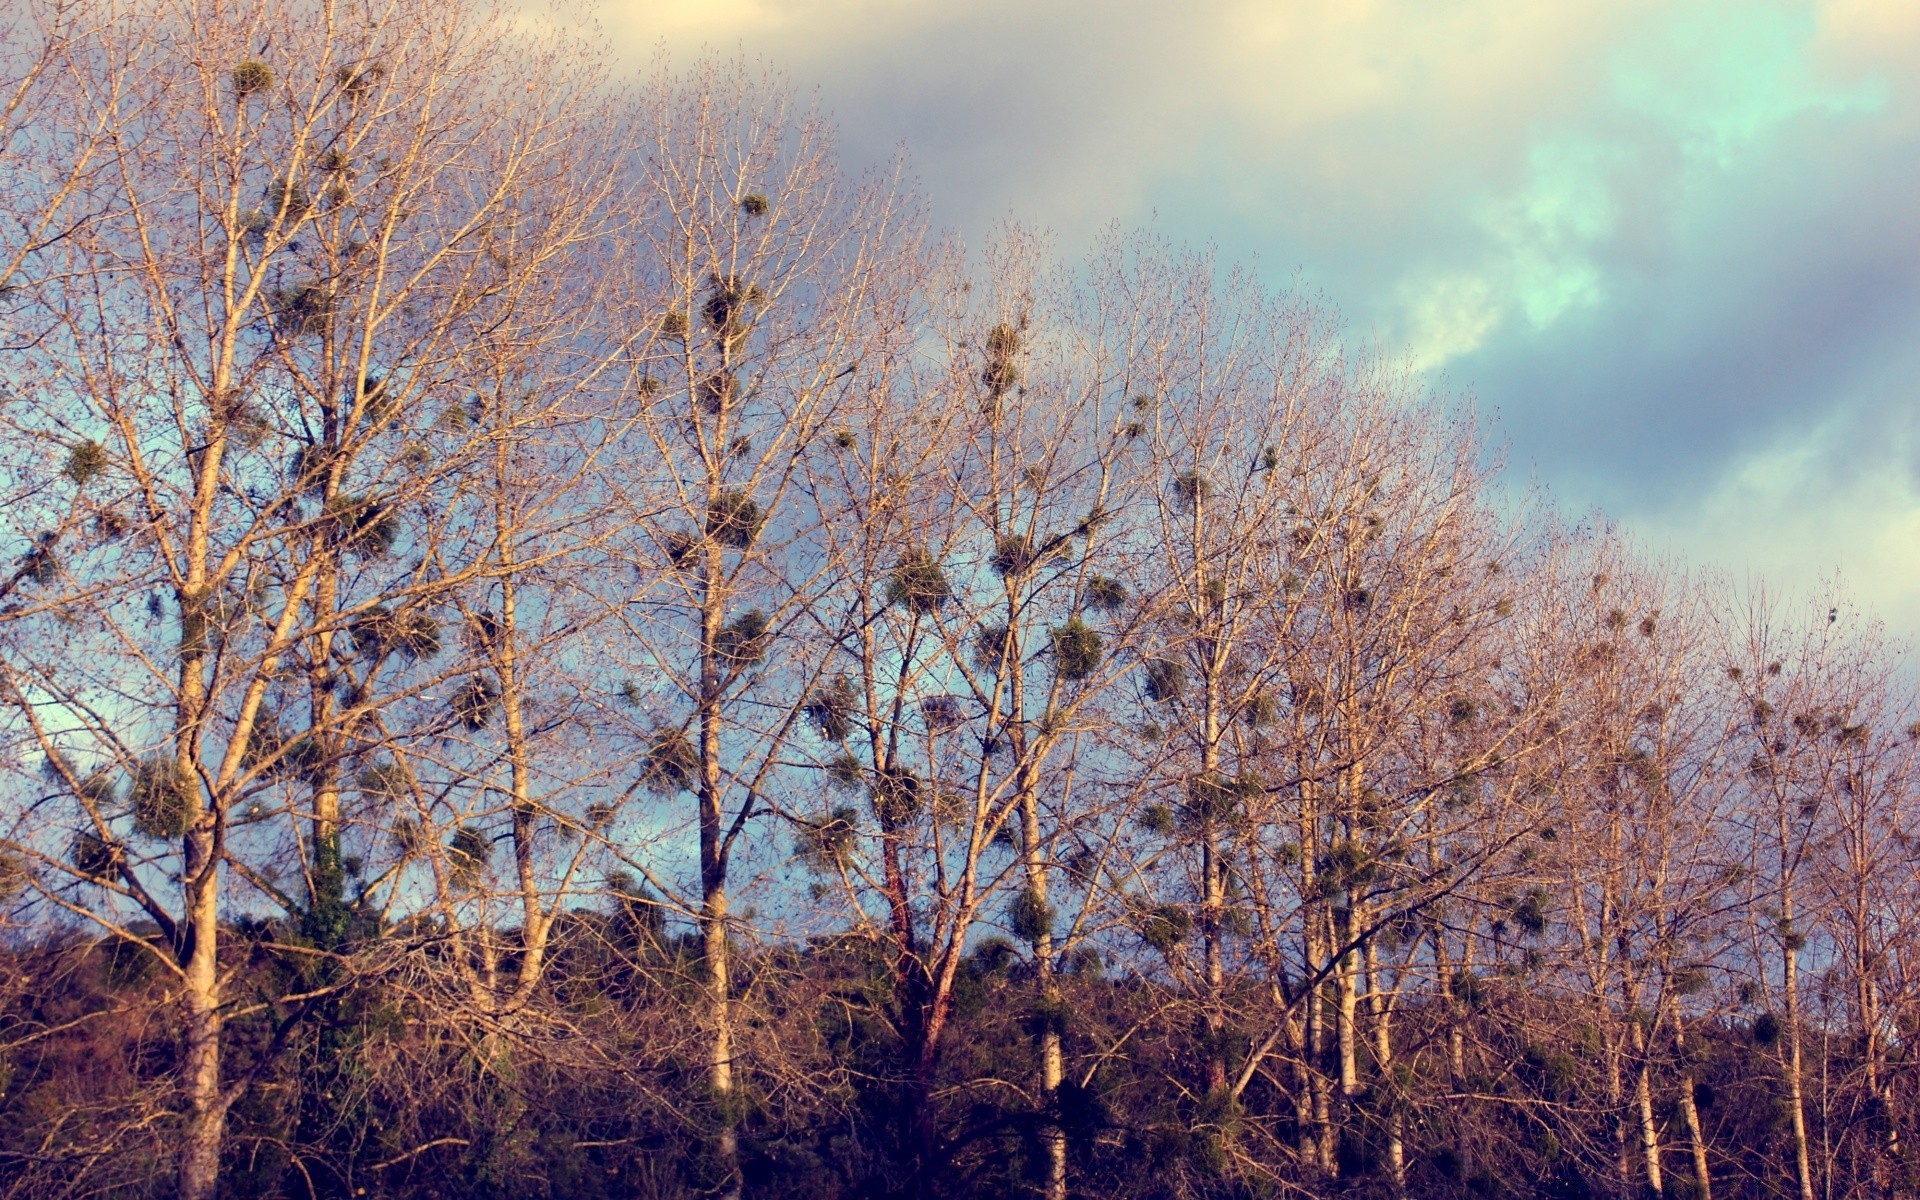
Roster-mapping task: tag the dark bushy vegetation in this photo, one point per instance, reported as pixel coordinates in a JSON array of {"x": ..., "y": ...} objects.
[{"x": 373, "y": 1092}]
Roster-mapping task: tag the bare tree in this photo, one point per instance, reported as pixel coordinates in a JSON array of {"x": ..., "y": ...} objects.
[
  {"x": 243, "y": 367},
  {"x": 767, "y": 283},
  {"x": 1806, "y": 690},
  {"x": 1863, "y": 891}
]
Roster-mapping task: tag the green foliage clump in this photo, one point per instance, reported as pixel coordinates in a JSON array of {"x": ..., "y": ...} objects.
[
  {"x": 734, "y": 519},
  {"x": 1259, "y": 710},
  {"x": 730, "y": 301},
  {"x": 385, "y": 780},
  {"x": 682, "y": 549},
  {"x": 994, "y": 647},
  {"x": 754, "y": 204},
  {"x": 469, "y": 852},
  {"x": 1077, "y": 648},
  {"x": 296, "y": 756},
  {"x": 39, "y": 564},
  {"x": 288, "y": 199},
  {"x": 826, "y": 840},
  {"x": 831, "y": 708},
  {"x": 1214, "y": 800},
  {"x": 1048, "y": 1014},
  {"x": 359, "y": 80},
  {"x": 1086, "y": 962},
  {"x": 1529, "y": 911},
  {"x": 380, "y": 403},
  {"x": 845, "y": 770},
  {"x": 1467, "y": 988},
  {"x": 1192, "y": 486},
  {"x": 474, "y": 702},
  {"x": 363, "y": 525},
  {"x": 1689, "y": 981},
  {"x": 1105, "y": 594},
  {"x": 15, "y": 874},
  {"x": 641, "y": 917},
  {"x": 1166, "y": 679},
  {"x": 1347, "y": 864},
  {"x": 301, "y": 309},
  {"x": 1554, "y": 1073},
  {"x": 309, "y": 466},
  {"x": 93, "y": 787},
  {"x": 165, "y": 796},
  {"x": 918, "y": 584},
  {"x": 672, "y": 764},
  {"x": 86, "y": 461},
  {"x": 1030, "y": 917},
  {"x": 898, "y": 795},
  {"x": 1000, "y": 372},
  {"x": 716, "y": 391},
  {"x": 1013, "y": 554},
  {"x": 250, "y": 77},
  {"x": 94, "y": 855},
  {"x": 410, "y": 837},
  {"x": 410, "y": 633},
  {"x": 744, "y": 640},
  {"x": 1164, "y": 927}
]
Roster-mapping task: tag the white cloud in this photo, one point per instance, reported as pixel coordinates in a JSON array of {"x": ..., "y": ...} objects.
[{"x": 1838, "y": 499}]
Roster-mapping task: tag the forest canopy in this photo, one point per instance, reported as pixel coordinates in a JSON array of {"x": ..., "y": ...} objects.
[{"x": 558, "y": 641}]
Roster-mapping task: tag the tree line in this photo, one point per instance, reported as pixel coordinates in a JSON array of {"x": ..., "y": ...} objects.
[{"x": 556, "y": 641}]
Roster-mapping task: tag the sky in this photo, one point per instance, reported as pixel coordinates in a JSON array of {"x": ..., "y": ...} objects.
[{"x": 1672, "y": 249}]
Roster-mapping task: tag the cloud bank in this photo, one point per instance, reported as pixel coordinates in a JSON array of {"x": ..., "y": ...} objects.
[{"x": 1671, "y": 244}]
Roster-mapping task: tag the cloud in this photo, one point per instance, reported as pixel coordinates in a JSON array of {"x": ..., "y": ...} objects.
[
  {"x": 1689, "y": 98},
  {"x": 1839, "y": 499},
  {"x": 1448, "y": 316},
  {"x": 1537, "y": 257},
  {"x": 1723, "y": 77},
  {"x": 1668, "y": 241}
]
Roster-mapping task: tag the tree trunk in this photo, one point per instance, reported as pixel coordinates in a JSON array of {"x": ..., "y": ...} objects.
[
  {"x": 1347, "y": 1013},
  {"x": 1051, "y": 1056},
  {"x": 1690, "y": 1112},
  {"x": 325, "y": 918},
  {"x": 200, "y": 1141},
  {"x": 1873, "y": 1054},
  {"x": 1213, "y": 904},
  {"x": 713, "y": 944},
  {"x": 1456, "y": 1035},
  {"x": 1796, "y": 1091},
  {"x": 1322, "y": 1093},
  {"x": 1300, "y": 1042},
  {"x": 713, "y": 890},
  {"x": 1649, "y": 1127},
  {"x": 1622, "y": 1133},
  {"x": 205, "y": 1129},
  {"x": 1052, "y": 1072},
  {"x": 1382, "y": 1003},
  {"x": 1316, "y": 1048},
  {"x": 923, "y": 1134},
  {"x": 1213, "y": 876}
]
